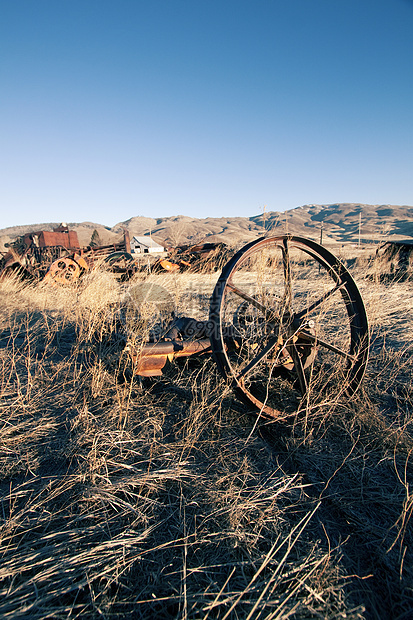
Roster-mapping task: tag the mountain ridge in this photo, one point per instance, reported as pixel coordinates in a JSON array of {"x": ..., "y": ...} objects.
[{"x": 337, "y": 223}]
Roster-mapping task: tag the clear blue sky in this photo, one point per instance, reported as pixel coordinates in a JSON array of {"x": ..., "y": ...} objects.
[{"x": 116, "y": 108}]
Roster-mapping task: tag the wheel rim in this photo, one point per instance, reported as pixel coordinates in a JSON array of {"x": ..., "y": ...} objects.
[
  {"x": 119, "y": 259},
  {"x": 289, "y": 327}
]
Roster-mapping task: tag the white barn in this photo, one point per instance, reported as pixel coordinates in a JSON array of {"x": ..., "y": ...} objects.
[{"x": 145, "y": 245}]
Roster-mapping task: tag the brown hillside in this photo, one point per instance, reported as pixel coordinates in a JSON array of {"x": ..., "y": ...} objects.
[{"x": 339, "y": 222}]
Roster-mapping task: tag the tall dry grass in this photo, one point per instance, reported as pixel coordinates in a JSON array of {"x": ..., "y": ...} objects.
[{"x": 161, "y": 498}]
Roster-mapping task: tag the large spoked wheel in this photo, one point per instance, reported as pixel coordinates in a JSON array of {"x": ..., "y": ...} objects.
[{"x": 289, "y": 327}]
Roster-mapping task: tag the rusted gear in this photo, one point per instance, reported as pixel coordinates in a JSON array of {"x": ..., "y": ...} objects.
[{"x": 63, "y": 271}]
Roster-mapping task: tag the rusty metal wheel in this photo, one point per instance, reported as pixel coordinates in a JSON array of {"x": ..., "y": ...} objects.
[
  {"x": 121, "y": 264},
  {"x": 119, "y": 260},
  {"x": 63, "y": 271},
  {"x": 289, "y": 327}
]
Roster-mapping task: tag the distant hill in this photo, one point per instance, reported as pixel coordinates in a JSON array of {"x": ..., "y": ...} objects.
[
  {"x": 84, "y": 231},
  {"x": 340, "y": 223}
]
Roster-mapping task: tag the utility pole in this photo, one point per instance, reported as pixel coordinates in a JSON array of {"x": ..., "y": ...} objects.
[
  {"x": 359, "y": 228},
  {"x": 321, "y": 233},
  {"x": 263, "y": 219}
]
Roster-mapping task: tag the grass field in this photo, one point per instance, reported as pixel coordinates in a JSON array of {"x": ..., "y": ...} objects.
[{"x": 163, "y": 498}]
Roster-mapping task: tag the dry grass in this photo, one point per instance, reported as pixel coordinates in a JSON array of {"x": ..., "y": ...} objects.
[{"x": 161, "y": 499}]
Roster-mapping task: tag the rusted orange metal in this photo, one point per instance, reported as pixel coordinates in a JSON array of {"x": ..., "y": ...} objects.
[
  {"x": 151, "y": 358},
  {"x": 59, "y": 237},
  {"x": 63, "y": 271},
  {"x": 67, "y": 239},
  {"x": 167, "y": 265}
]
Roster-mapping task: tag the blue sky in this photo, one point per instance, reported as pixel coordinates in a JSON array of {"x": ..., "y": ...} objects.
[{"x": 111, "y": 109}]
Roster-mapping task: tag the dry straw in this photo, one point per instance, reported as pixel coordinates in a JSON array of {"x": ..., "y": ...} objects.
[{"x": 158, "y": 498}]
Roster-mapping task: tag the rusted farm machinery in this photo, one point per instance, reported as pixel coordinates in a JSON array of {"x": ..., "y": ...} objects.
[
  {"x": 199, "y": 258},
  {"x": 56, "y": 256},
  {"x": 31, "y": 255},
  {"x": 287, "y": 328}
]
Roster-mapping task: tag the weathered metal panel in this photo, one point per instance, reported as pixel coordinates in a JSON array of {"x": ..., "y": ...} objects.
[{"x": 68, "y": 239}]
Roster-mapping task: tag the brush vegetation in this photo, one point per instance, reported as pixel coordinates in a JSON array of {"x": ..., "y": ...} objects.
[{"x": 164, "y": 498}]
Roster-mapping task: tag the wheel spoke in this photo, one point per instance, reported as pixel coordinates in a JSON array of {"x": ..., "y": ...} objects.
[
  {"x": 316, "y": 304},
  {"x": 298, "y": 366},
  {"x": 254, "y": 302},
  {"x": 260, "y": 356},
  {"x": 318, "y": 341}
]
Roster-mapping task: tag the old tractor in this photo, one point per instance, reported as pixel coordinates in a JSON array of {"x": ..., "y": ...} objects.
[{"x": 287, "y": 329}]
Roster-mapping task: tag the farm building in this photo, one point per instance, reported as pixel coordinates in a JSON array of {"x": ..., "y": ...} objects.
[{"x": 145, "y": 245}]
